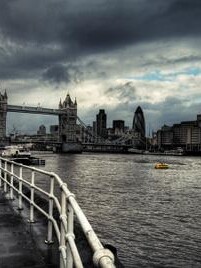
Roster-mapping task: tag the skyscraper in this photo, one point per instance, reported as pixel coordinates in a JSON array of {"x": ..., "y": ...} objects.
[
  {"x": 139, "y": 122},
  {"x": 118, "y": 127},
  {"x": 101, "y": 123},
  {"x": 139, "y": 126}
]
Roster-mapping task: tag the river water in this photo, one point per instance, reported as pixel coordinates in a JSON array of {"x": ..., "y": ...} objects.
[{"x": 152, "y": 217}]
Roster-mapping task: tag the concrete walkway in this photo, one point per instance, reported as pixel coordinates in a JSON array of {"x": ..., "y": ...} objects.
[
  {"x": 22, "y": 244},
  {"x": 17, "y": 246}
]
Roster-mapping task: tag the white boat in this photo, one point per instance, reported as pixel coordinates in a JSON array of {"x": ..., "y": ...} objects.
[
  {"x": 174, "y": 152},
  {"x": 15, "y": 151},
  {"x": 178, "y": 151},
  {"x": 135, "y": 151}
]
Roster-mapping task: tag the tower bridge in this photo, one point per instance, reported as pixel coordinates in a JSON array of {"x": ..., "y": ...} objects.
[
  {"x": 66, "y": 112},
  {"x": 67, "y": 127}
]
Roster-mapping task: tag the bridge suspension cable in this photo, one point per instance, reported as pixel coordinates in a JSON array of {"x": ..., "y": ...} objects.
[{"x": 95, "y": 138}]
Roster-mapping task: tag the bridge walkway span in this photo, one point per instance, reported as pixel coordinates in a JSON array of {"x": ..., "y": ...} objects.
[{"x": 34, "y": 110}]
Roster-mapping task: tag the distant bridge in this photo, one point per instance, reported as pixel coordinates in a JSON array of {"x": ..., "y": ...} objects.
[
  {"x": 34, "y": 110},
  {"x": 67, "y": 114},
  {"x": 98, "y": 144}
]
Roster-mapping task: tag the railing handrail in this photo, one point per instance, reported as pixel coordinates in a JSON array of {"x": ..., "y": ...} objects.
[{"x": 67, "y": 207}]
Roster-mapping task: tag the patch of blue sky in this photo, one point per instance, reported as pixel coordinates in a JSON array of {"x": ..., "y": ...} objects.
[
  {"x": 172, "y": 76},
  {"x": 153, "y": 76},
  {"x": 193, "y": 71}
]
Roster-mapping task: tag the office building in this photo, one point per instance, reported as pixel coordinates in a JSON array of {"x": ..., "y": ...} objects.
[
  {"x": 101, "y": 124},
  {"x": 118, "y": 127},
  {"x": 187, "y": 135}
]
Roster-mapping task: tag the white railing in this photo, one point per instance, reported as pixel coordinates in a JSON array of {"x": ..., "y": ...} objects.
[{"x": 16, "y": 177}]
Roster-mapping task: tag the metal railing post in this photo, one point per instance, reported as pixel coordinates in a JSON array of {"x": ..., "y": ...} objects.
[
  {"x": 20, "y": 190},
  {"x": 11, "y": 182},
  {"x": 70, "y": 229},
  {"x": 5, "y": 177},
  {"x": 50, "y": 212},
  {"x": 63, "y": 223},
  {"x": 31, "y": 219},
  {"x": 0, "y": 173}
]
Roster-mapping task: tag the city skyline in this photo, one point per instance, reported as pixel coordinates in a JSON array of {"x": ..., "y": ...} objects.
[
  {"x": 112, "y": 56},
  {"x": 41, "y": 119}
]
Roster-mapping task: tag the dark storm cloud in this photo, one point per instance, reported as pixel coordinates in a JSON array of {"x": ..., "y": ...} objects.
[
  {"x": 97, "y": 24},
  {"x": 57, "y": 74},
  {"x": 22, "y": 63},
  {"x": 124, "y": 92},
  {"x": 112, "y": 24},
  {"x": 181, "y": 19},
  {"x": 61, "y": 31},
  {"x": 32, "y": 21}
]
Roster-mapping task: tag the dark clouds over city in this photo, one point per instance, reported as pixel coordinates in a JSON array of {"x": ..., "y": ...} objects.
[{"x": 108, "y": 54}]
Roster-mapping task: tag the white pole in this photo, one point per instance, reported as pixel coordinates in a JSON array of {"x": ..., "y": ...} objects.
[
  {"x": 0, "y": 173},
  {"x": 63, "y": 227},
  {"x": 5, "y": 177},
  {"x": 49, "y": 230},
  {"x": 31, "y": 220},
  {"x": 11, "y": 182},
  {"x": 69, "y": 232},
  {"x": 20, "y": 190}
]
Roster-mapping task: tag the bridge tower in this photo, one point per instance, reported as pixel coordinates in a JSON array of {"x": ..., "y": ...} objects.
[
  {"x": 68, "y": 126},
  {"x": 3, "y": 114}
]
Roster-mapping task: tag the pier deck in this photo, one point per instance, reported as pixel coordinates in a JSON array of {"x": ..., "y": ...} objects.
[{"x": 17, "y": 246}]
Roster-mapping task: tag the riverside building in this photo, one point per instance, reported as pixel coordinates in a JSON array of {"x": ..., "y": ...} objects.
[{"x": 187, "y": 135}]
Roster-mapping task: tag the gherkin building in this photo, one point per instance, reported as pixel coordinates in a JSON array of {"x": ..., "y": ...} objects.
[{"x": 139, "y": 126}]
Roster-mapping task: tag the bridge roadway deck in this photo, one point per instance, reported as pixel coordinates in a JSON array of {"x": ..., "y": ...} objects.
[
  {"x": 34, "y": 110},
  {"x": 17, "y": 246}
]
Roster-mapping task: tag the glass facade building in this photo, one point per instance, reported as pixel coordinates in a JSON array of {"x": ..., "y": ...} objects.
[{"x": 139, "y": 123}]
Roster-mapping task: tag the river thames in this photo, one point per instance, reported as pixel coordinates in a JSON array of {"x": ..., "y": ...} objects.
[{"x": 151, "y": 216}]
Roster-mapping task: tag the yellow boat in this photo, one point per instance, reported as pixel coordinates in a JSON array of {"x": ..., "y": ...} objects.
[{"x": 161, "y": 166}]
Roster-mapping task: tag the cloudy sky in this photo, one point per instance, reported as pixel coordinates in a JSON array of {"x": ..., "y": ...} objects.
[{"x": 109, "y": 54}]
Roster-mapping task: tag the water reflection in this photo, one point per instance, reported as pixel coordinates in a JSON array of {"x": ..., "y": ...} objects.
[{"x": 151, "y": 216}]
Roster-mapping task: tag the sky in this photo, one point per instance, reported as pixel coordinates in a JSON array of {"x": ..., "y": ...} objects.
[{"x": 108, "y": 54}]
